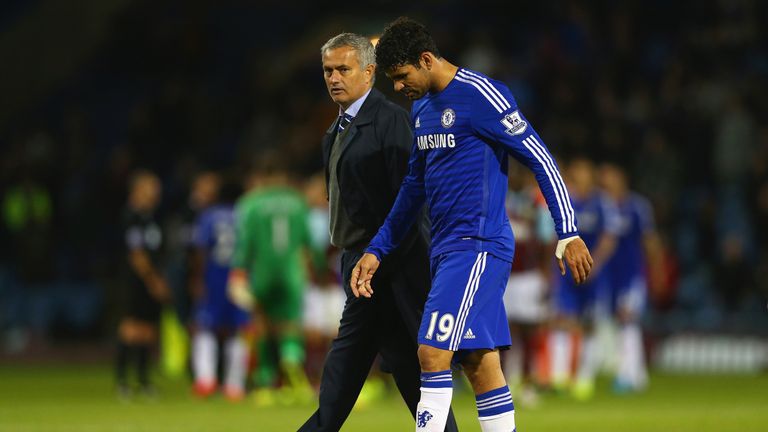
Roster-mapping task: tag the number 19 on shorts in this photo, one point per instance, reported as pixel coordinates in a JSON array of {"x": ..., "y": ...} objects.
[{"x": 444, "y": 326}]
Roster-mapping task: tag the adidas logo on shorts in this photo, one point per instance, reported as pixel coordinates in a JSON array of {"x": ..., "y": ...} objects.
[{"x": 469, "y": 334}]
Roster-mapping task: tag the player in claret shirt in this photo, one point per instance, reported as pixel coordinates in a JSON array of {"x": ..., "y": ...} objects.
[{"x": 465, "y": 127}]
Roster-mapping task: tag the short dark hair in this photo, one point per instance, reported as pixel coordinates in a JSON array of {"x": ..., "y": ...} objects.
[{"x": 402, "y": 43}]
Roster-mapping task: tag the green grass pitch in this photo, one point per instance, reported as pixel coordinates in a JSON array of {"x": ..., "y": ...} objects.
[{"x": 51, "y": 399}]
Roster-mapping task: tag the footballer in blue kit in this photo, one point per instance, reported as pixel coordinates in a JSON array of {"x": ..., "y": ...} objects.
[
  {"x": 638, "y": 260},
  {"x": 599, "y": 228},
  {"x": 215, "y": 236},
  {"x": 577, "y": 306},
  {"x": 627, "y": 267},
  {"x": 465, "y": 125},
  {"x": 216, "y": 318},
  {"x": 580, "y": 301}
]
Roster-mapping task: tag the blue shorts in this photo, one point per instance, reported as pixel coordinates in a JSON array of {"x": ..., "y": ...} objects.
[
  {"x": 465, "y": 307},
  {"x": 220, "y": 315},
  {"x": 631, "y": 295},
  {"x": 579, "y": 301}
]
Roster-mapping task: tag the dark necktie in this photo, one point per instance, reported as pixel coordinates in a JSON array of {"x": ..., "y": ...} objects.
[{"x": 344, "y": 121}]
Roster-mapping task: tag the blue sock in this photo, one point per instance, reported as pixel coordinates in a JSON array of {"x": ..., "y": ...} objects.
[{"x": 496, "y": 410}]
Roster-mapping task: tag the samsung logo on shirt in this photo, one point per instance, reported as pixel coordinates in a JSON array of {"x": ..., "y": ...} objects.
[{"x": 433, "y": 141}]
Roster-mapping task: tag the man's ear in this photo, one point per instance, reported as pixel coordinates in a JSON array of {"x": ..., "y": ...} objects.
[{"x": 426, "y": 60}]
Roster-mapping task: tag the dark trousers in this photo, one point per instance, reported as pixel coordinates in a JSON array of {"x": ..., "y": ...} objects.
[{"x": 385, "y": 324}]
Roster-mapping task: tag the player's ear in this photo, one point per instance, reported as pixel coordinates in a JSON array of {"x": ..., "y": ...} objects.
[{"x": 426, "y": 60}]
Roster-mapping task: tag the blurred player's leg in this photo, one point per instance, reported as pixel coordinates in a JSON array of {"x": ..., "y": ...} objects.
[
  {"x": 136, "y": 340},
  {"x": 323, "y": 307},
  {"x": 561, "y": 347},
  {"x": 314, "y": 340},
  {"x": 524, "y": 301},
  {"x": 124, "y": 354},
  {"x": 237, "y": 360},
  {"x": 631, "y": 373},
  {"x": 265, "y": 375},
  {"x": 204, "y": 355},
  {"x": 292, "y": 359},
  {"x": 513, "y": 361},
  {"x": 291, "y": 343},
  {"x": 569, "y": 305},
  {"x": 142, "y": 363},
  {"x": 513, "y": 357},
  {"x": 584, "y": 386}
]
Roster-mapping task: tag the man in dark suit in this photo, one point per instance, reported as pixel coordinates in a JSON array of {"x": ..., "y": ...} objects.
[{"x": 366, "y": 153}]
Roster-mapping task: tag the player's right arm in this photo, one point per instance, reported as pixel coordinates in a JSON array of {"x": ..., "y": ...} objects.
[
  {"x": 407, "y": 205},
  {"x": 496, "y": 117}
]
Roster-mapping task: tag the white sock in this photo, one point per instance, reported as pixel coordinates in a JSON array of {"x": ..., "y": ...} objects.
[
  {"x": 204, "y": 353},
  {"x": 632, "y": 369},
  {"x": 237, "y": 363},
  {"x": 496, "y": 411},
  {"x": 435, "y": 402},
  {"x": 587, "y": 358},
  {"x": 560, "y": 347}
]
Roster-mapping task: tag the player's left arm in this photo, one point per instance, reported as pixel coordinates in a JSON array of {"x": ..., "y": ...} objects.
[{"x": 497, "y": 118}]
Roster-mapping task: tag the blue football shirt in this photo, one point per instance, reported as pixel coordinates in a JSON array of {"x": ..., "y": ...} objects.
[
  {"x": 635, "y": 221},
  {"x": 597, "y": 216},
  {"x": 463, "y": 136},
  {"x": 215, "y": 235}
]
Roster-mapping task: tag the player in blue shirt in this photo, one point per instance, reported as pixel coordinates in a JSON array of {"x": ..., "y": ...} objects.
[
  {"x": 465, "y": 127},
  {"x": 214, "y": 314},
  {"x": 576, "y": 306},
  {"x": 638, "y": 253}
]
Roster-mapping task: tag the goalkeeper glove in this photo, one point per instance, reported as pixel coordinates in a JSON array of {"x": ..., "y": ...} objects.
[{"x": 239, "y": 291}]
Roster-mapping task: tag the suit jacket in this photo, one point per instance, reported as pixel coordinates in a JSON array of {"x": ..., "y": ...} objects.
[{"x": 373, "y": 162}]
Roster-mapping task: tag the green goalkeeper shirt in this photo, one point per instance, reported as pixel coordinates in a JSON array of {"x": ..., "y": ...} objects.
[{"x": 272, "y": 231}]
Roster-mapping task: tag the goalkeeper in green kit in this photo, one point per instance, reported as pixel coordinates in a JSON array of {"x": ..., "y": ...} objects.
[{"x": 269, "y": 274}]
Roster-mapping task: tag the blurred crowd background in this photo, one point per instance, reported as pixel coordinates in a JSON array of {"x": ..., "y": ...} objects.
[{"x": 674, "y": 92}]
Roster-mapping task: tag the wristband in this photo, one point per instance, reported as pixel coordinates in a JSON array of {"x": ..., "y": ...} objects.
[{"x": 561, "y": 246}]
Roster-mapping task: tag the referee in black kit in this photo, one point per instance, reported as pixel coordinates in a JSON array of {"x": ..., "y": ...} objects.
[{"x": 366, "y": 153}]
